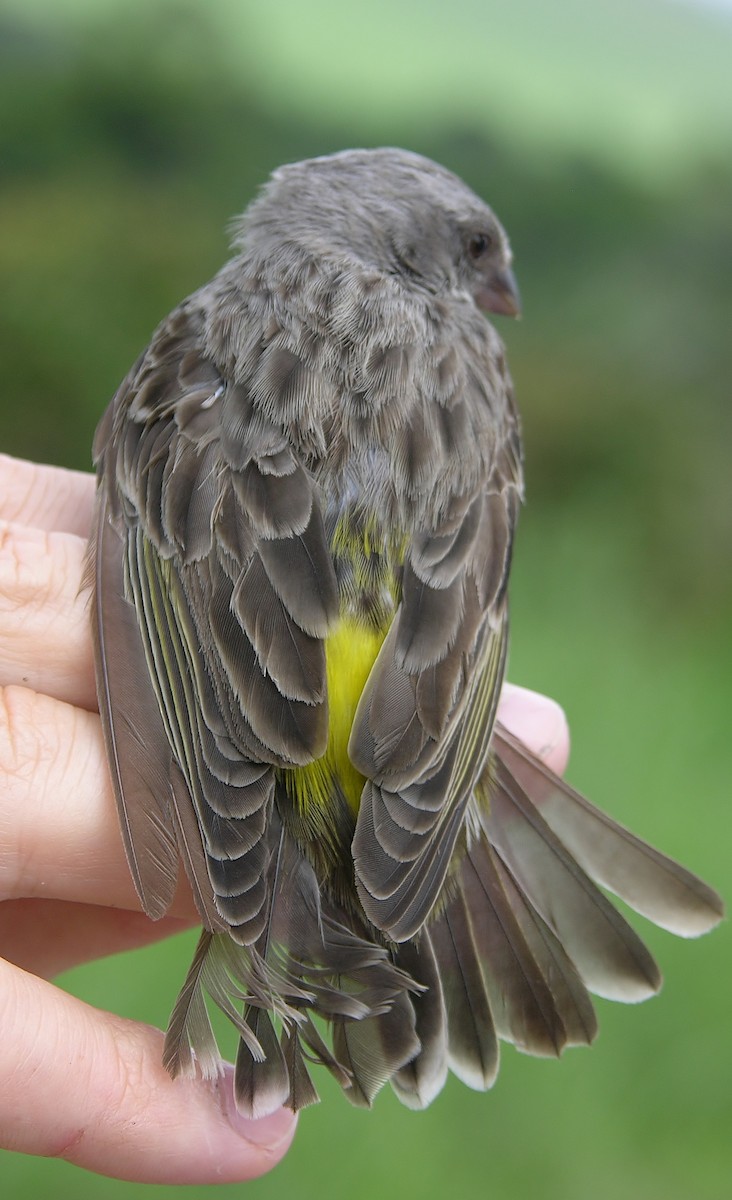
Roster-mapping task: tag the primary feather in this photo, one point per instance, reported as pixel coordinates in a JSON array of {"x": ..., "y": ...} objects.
[{"x": 308, "y": 488}]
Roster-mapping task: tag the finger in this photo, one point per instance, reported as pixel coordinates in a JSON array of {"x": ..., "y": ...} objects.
[
  {"x": 44, "y": 621},
  {"x": 45, "y": 497},
  {"x": 539, "y": 722},
  {"x": 89, "y": 1087},
  {"x": 50, "y": 936},
  {"x": 59, "y": 835}
]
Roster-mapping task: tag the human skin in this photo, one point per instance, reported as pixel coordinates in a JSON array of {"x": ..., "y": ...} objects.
[{"x": 77, "y": 1083}]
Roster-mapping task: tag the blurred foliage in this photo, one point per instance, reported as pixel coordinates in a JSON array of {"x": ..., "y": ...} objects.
[{"x": 125, "y": 147}]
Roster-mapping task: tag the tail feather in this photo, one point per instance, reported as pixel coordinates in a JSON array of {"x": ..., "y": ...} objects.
[
  {"x": 420, "y": 1080},
  {"x": 652, "y": 884},
  {"x": 302, "y": 1091},
  {"x": 609, "y": 956},
  {"x": 472, "y": 1040},
  {"x": 190, "y": 1040},
  {"x": 571, "y": 997},
  {"x": 524, "y": 1007},
  {"x": 261, "y": 1082},
  {"x": 373, "y": 1049}
]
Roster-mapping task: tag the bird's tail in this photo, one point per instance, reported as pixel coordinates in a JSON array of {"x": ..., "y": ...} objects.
[
  {"x": 519, "y": 939},
  {"x": 525, "y": 933},
  {"x": 313, "y": 960}
]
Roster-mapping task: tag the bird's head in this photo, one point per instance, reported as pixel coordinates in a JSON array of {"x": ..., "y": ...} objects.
[{"x": 389, "y": 210}]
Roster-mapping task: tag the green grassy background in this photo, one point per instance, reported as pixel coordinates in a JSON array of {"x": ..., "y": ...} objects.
[{"x": 601, "y": 134}]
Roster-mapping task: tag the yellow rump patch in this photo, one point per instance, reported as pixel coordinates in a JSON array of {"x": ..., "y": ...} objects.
[{"x": 350, "y": 652}]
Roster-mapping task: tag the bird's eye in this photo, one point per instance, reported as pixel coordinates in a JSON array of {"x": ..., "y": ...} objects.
[{"x": 479, "y": 244}]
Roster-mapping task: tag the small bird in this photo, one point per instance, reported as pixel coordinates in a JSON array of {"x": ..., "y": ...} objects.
[{"x": 308, "y": 486}]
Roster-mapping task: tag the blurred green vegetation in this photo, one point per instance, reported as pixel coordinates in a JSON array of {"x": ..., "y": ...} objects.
[{"x": 128, "y": 140}]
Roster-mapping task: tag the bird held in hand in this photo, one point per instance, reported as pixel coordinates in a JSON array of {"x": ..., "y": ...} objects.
[{"x": 308, "y": 489}]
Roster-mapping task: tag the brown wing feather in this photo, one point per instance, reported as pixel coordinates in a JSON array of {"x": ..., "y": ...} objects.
[
  {"x": 139, "y": 753},
  {"x": 423, "y": 726},
  {"x": 232, "y": 642}
]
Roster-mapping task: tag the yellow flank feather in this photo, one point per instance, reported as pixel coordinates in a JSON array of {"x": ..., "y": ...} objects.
[{"x": 350, "y": 652}]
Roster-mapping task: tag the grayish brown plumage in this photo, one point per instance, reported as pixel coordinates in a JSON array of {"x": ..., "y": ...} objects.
[{"x": 308, "y": 487}]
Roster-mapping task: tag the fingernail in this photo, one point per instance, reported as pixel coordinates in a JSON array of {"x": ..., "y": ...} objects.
[{"x": 270, "y": 1131}]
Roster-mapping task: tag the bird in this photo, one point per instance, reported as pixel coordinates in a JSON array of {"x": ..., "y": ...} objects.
[{"x": 307, "y": 493}]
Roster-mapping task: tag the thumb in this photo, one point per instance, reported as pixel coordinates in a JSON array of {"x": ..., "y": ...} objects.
[{"x": 89, "y": 1087}]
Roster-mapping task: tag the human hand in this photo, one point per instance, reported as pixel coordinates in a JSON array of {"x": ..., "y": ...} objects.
[{"x": 77, "y": 1083}]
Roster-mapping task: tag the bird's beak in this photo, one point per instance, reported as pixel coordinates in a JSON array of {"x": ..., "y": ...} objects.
[{"x": 500, "y": 294}]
